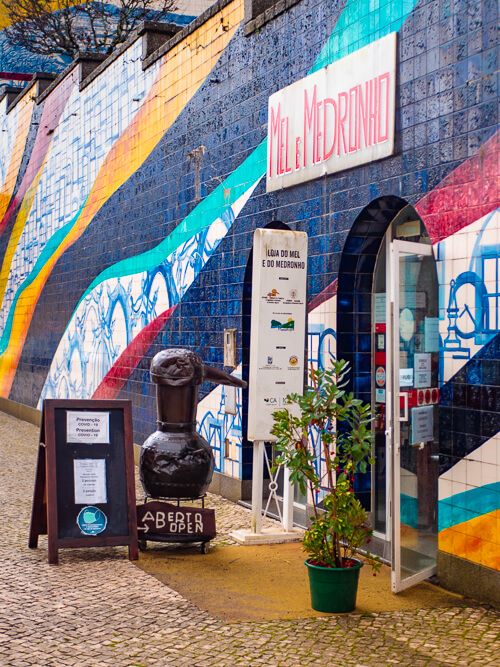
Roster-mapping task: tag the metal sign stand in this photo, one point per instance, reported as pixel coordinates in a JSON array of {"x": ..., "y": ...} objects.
[{"x": 276, "y": 535}]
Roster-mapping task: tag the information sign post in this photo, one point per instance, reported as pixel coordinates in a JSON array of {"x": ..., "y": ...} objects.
[{"x": 277, "y": 361}]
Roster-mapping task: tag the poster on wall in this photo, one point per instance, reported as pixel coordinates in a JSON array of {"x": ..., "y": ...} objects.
[{"x": 278, "y": 328}]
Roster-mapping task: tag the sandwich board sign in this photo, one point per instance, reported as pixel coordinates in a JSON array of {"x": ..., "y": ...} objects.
[{"x": 85, "y": 484}]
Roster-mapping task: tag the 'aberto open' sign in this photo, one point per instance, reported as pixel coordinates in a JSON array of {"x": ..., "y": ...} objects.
[{"x": 337, "y": 118}]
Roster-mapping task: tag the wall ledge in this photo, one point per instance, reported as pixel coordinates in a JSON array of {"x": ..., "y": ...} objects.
[
  {"x": 269, "y": 14},
  {"x": 24, "y": 412},
  {"x": 40, "y": 81},
  {"x": 185, "y": 32},
  {"x": 469, "y": 579}
]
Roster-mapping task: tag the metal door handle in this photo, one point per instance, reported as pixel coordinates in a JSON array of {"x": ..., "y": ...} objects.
[
  {"x": 434, "y": 457},
  {"x": 404, "y": 418}
]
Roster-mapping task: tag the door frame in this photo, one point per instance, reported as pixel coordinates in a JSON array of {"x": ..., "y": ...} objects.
[{"x": 397, "y": 249}]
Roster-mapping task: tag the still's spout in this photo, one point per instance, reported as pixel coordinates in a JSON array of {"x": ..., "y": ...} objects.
[{"x": 221, "y": 377}]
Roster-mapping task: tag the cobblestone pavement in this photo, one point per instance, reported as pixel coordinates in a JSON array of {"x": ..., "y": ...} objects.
[{"x": 96, "y": 608}]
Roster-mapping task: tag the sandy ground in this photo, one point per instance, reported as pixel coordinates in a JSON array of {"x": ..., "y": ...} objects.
[{"x": 241, "y": 583}]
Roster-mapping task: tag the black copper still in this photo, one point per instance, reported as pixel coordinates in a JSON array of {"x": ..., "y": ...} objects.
[{"x": 176, "y": 461}]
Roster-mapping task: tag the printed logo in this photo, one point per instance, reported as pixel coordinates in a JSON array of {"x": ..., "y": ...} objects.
[
  {"x": 289, "y": 325},
  {"x": 380, "y": 376},
  {"x": 91, "y": 520},
  {"x": 273, "y": 296},
  {"x": 269, "y": 361},
  {"x": 293, "y": 361},
  {"x": 271, "y": 401}
]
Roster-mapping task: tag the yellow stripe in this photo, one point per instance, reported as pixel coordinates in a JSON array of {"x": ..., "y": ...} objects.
[
  {"x": 477, "y": 540},
  {"x": 23, "y": 126},
  {"x": 182, "y": 72},
  {"x": 17, "y": 230}
]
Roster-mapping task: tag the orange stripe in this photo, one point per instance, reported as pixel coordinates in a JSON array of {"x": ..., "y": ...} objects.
[{"x": 181, "y": 74}]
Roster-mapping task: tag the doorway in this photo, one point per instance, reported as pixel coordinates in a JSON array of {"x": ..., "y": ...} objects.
[{"x": 405, "y": 394}]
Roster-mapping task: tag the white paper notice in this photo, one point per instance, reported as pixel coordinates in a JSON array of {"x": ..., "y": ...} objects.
[
  {"x": 406, "y": 377},
  {"x": 431, "y": 334},
  {"x": 422, "y": 424},
  {"x": 422, "y": 363},
  {"x": 90, "y": 481},
  {"x": 87, "y": 427},
  {"x": 380, "y": 314}
]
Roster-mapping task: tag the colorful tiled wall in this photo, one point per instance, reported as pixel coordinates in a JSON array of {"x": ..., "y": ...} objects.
[{"x": 129, "y": 227}]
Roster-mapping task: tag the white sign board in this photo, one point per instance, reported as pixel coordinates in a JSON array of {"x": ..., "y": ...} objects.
[
  {"x": 406, "y": 377},
  {"x": 87, "y": 427},
  {"x": 278, "y": 327},
  {"x": 90, "y": 481},
  {"x": 334, "y": 119},
  {"x": 422, "y": 370},
  {"x": 431, "y": 334},
  {"x": 422, "y": 424}
]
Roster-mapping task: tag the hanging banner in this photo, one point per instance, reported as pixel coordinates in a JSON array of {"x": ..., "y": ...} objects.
[
  {"x": 334, "y": 119},
  {"x": 278, "y": 328}
]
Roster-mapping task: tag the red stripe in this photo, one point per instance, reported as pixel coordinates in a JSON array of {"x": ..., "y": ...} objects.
[
  {"x": 329, "y": 291},
  {"x": 467, "y": 194},
  {"x": 16, "y": 76},
  {"x": 117, "y": 376}
]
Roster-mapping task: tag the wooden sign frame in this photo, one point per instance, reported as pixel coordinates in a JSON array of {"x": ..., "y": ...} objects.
[{"x": 45, "y": 510}]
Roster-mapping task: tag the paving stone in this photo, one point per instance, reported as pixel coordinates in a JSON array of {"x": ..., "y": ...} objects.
[{"x": 97, "y": 609}]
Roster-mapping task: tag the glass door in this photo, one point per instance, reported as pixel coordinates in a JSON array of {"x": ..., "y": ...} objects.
[{"x": 414, "y": 397}]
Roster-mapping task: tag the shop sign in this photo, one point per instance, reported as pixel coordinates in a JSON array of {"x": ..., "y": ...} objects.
[
  {"x": 334, "y": 119},
  {"x": 170, "y": 522},
  {"x": 278, "y": 325}
]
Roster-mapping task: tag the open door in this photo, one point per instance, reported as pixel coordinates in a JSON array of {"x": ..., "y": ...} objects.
[{"x": 414, "y": 348}]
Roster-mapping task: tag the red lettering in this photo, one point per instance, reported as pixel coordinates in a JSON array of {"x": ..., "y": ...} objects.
[
  {"x": 274, "y": 136},
  {"x": 372, "y": 115},
  {"x": 353, "y": 119},
  {"x": 288, "y": 169},
  {"x": 309, "y": 114},
  {"x": 342, "y": 116},
  {"x": 383, "y": 100},
  {"x": 329, "y": 102},
  {"x": 317, "y": 134},
  {"x": 281, "y": 147},
  {"x": 297, "y": 153},
  {"x": 364, "y": 121}
]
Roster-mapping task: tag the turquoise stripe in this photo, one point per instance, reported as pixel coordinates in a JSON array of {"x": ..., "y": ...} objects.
[
  {"x": 468, "y": 505},
  {"x": 52, "y": 244},
  {"x": 409, "y": 510},
  {"x": 201, "y": 217},
  {"x": 360, "y": 23}
]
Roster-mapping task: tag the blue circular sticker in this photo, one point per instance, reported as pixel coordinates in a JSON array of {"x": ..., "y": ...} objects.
[{"x": 91, "y": 520}]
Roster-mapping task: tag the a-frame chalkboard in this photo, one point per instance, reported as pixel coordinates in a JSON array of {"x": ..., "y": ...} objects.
[{"x": 85, "y": 484}]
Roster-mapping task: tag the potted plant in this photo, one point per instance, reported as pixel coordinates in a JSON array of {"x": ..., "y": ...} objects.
[{"x": 324, "y": 438}]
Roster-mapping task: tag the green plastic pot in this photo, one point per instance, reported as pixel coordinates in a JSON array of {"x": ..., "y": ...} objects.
[{"x": 334, "y": 589}]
